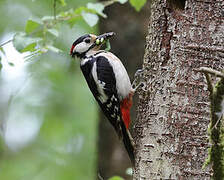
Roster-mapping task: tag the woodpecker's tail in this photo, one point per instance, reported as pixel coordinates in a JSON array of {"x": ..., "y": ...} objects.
[{"x": 128, "y": 143}]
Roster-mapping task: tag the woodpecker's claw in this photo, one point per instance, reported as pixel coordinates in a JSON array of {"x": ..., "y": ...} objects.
[
  {"x": 139, "y": 72},
  {"x": 139, "y": 81}
]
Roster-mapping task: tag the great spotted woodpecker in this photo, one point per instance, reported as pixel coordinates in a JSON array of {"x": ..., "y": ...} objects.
[{"x": 109, "y": 83}]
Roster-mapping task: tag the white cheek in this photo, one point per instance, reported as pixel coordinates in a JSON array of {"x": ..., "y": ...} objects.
[{"x": 81, "y": 47}]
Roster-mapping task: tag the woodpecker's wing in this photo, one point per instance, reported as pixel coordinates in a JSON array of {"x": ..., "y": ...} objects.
[
  {"x": 120, "y": 81},
  {"x": 108, "y": 98},
  {"x": 102, "y": 83},
  {"x": 109, "y": 101},
  {"x": 101, "y": 80}
]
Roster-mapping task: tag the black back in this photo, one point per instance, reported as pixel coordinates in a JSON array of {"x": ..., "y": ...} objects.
[{"x": 105, "y": 74}]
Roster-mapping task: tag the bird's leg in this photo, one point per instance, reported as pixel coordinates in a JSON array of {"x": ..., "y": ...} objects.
[{"x": 139, "y": 81}]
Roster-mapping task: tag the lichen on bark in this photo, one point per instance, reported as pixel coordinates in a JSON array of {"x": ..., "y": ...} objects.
[{"x": 216, "y": 131}]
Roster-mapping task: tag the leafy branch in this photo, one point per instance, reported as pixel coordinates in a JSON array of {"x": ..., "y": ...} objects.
[{"x": 40, "y": 34}]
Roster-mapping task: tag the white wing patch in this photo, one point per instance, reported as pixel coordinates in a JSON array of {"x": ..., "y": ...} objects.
[
  {"x": 113, "y": 115},
  {"x": 100, "y": 85},
  {"x": 109, "y": 105}
]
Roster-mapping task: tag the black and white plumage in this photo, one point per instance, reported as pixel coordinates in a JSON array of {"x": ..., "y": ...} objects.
[{"x": 108, "y": 81}]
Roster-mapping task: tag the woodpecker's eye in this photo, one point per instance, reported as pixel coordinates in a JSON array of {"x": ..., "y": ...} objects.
[{"x": 87, "y": 40}]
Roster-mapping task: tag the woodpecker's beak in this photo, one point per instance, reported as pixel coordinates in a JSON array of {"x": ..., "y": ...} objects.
[{"x": 103, "y": 38}]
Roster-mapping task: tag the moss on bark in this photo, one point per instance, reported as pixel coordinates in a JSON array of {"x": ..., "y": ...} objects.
[{"x": 216, "y": 131}]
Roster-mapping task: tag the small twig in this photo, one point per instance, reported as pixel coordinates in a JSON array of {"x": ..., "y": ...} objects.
[
  {"x": 33, "y": 54},
  {"x": 211, "y": 71},
  {"x": 6, "y": 42},
  {"x": 215, "y": 126},
  {"x": 209, "y": 82},
  {"x": 54, "y": 7},
  {"x": 208, "y": 71}
]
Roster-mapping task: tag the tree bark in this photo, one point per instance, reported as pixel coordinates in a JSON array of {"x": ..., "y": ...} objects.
[{"x": 173, "y": 114}]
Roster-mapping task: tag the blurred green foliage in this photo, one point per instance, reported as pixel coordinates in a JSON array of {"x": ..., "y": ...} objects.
[
  {"x": 48, "y": 117},
  {"x": 38, "y": 33},
  {"x": 54, "y": 94},
  {"x": 65, "y": 147}
]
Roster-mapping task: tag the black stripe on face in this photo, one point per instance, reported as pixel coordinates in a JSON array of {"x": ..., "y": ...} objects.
[{"x": 80, "y": 39}]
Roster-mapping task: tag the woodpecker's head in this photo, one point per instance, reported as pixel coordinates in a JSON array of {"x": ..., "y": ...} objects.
[{"x": 88, "y": 42}]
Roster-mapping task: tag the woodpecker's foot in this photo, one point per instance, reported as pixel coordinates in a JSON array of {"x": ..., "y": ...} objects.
[{"x": 139, "y": 81}]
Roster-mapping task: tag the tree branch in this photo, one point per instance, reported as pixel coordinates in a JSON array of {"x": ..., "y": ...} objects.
[
  {"x": 54, "y": 7},
  {"x": 209, "y": 82},
  {"x": 10, "y": 40},
  {"x": 211, "y": 71}
]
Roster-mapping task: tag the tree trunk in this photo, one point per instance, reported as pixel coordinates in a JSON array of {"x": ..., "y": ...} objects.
[{"x": 173, "y": 114}]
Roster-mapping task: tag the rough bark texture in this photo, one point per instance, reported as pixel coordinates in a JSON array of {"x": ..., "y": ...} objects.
[{"x": 173, "y": 115}]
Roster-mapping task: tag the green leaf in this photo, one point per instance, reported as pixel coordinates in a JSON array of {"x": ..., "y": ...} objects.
[
  {"x": 73, "y": 20},
  {"x": 122, "y": 1},
  {"x": 90, "y": 18},
  {"x": 79, "y": 10},
  {"x": 137, "y": 4},
  {"x": 63, "y": 3},
  {"x": 98, "y": 7},
  {"x": 53, "y": 32},
  {"x": 11, "y": 64},
  {"x": 31, "y": 47},
  {"x": 32, "y": 25},
  {"x": 72, "y": 16},
  {"x": 116, "y": 178},
  {"x": 108, "y": 47},
  {"x": 24, "y": 43}
]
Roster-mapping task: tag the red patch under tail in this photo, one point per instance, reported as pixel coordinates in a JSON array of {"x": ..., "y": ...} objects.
[{"x": 125, "y": 109}]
